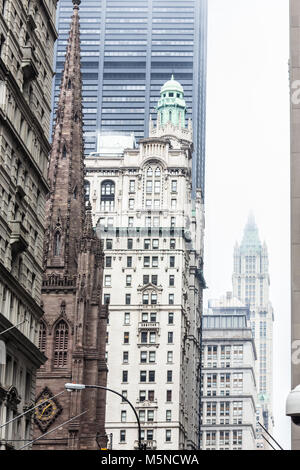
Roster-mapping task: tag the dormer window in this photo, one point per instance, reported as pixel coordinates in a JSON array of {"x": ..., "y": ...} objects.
[{"x": 171, "y": 94}]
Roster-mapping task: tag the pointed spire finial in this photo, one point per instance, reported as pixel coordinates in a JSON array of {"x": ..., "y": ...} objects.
[
  {"x": 172, "y": 77},
  {"x": 88, "y": 231}
]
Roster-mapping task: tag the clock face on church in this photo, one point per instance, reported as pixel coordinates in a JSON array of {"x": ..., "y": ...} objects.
[{"x": 48, "y": 408}]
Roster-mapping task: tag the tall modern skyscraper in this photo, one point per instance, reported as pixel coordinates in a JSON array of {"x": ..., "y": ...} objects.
[
  {"x": 251, "y": 286},
  {"x": 129, "y": 48},
  {"x": 295, "y": 199}
]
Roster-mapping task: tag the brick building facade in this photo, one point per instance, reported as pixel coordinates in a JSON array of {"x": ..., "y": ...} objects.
[{"x": 73, "y": 329}]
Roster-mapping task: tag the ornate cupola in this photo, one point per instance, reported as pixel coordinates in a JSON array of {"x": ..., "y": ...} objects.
[
  {"x": 171, "y": 113},
  {"x": 171, "y": 106}
]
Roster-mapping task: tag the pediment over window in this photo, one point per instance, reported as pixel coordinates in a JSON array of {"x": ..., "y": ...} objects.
[{"x": 150, "y": 288}]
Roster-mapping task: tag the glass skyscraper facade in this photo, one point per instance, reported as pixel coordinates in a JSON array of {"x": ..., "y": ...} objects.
[{"x": 129, "y": 49}]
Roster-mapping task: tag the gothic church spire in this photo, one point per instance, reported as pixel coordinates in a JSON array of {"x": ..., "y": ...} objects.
[{"x": 65, "y": 208}]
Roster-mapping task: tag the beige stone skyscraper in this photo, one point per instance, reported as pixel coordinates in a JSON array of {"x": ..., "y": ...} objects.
[
  {"x": 251, "y": 286},
  {"x": 295, "y": 197}
]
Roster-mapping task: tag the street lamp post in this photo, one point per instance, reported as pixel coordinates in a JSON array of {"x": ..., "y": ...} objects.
[{"x": 70, "y": 387}]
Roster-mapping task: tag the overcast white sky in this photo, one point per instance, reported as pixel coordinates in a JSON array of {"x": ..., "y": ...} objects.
[{"x": 248, "y": 158}]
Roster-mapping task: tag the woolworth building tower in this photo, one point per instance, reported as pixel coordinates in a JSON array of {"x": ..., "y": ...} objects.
[{"x": 73, "y": 330}]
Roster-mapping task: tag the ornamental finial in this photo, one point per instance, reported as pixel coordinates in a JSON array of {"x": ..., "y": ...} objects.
[{"x": 76, "y": 3}]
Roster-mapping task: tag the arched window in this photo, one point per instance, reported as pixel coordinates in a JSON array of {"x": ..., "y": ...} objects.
[
  {"x": 61, "y": 339},
  {"x": 87, "y": 190},
  {"x": 69, "y": 84},
  {"x": 42, "y": 337},
  {"x": 57, "y": 244},
  {"x": 157, "y": 172},
  {"x": 107, "y": 195},
  {"x": 149, "y": 171}
]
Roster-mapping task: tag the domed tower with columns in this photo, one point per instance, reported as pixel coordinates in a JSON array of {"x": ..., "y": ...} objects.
[
  {"x": 153, "y": 232},
  {"x": 171, "y": 113}
]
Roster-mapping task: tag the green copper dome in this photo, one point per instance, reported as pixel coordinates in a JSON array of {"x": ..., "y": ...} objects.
[
  {"x": 171, "y": 85},
  {"x": 171, "y": 105}
]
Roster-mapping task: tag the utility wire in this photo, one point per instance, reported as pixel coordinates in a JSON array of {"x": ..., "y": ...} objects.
[
  {"x": 52, "y": 430},
  {"x": 30, "y": 409},
  {"x": 268, "y": 442},
  {"x": 270, "y": 436}
]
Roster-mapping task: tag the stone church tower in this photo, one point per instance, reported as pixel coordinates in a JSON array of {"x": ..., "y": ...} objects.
[{"x": 73, "y": 330}]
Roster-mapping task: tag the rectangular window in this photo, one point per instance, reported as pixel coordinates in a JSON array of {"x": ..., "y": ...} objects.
[
  {"x": 108, "y": 261},
  {"x": 130, "y": 221},
  {"x": 157, "y": 187},
  {"x": 126, "y": 318},
  {"x": 125, "y": 357},
  {"x": 149, "y": 186},
  {"x": 129, "y": 243},
  {"x": 170, "y": 356},
  {"x": 153, "y": 317},
  {"x": 171, "y": 280},
  {"x": 127, "y": 299},
  {"x": 131, "y": 204},
  {"x": 169, "y": 395},
  {"x": 168, "y": 435},
  {"x": 129, "y": 261},
  {"x": 171, "y": 318},
  {"x": 128, "y": 280},
  {"x": 143, "y": 356},
  {"x": 154, "y": 261},
  {"x": 152, "y": 356},
  {"x": 153, "y": 298},
  {"x": 154, "y": 279},
  {"x": 147, "y": 244},
  {"x": 150, "y": 415},
  {"x": 125, "y": 376},
  {"x": 172, "y": 244},
  {"x": 108, "y": 244},
  {"x": 145, "y": 299},
  {"x": 173, "y": 222},
  {"x": 170, "y": 337},
  {"x": 151, "y": 375},
  {"x": 126, "y": 337},
  {"x": 174, "y": 186},
  {"x": 152, "y": 337},
  {"x": 142, "y": 395},
  {"x": 155, "y": 244},
  {"x": 122, "y": 436},
  {"x": 132, "y": 186},
  {"x": 171, "y": 299},
  {"x": 146, "y": 261},
  {"x": 172, "y": 261},
  {"x": 144, "y": 337},
  {"x": 150, "y": 395},
  {"x": 107, "y": 280},
  {"x": 169, "y": 376},
  {"x": 123, "y": 416},
  {"x": 143, "y": 376}
]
